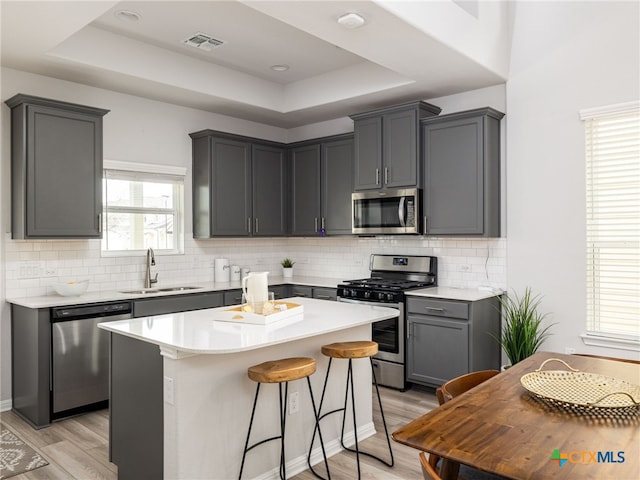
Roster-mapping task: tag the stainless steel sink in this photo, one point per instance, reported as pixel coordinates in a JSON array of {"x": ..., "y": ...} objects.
[
  {"x": 176, "y": 289},
  {"x": 142, "y": 290}
]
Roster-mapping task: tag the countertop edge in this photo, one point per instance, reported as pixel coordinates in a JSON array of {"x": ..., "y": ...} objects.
[
  {"x": 113, "y": 327},
  {"x": 455, "y": 293},
  {"x": 48, "y": 301}
]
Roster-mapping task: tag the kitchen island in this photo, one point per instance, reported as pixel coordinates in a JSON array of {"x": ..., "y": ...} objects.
[{"x": 180, "y": 398}]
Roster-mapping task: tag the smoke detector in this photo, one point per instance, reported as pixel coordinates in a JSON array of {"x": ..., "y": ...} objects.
[
  {"x": 203, "y": 41},
  {"x": 351, "y": 20}
]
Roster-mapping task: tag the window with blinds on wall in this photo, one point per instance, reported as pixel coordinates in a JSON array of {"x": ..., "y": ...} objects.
[
  {"x": 142, "y": 209},
  {"x": 613, "y": 222}
]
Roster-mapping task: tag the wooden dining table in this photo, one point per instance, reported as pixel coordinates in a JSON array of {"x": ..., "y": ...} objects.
[{"x": 500, "y": 427}]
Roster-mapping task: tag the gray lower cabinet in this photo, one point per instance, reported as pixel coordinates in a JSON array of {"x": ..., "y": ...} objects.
[
  {"x": 301, "y": 291},
  {"x": 462, "y": 173},
  {"x": 387, "y": 146},
  {"x": 136, "y": 409},
  {"x": 449, "y": 338},
  {"x": 176, "y": 303},
  {"x": 232, "y": 297},
  {"x": 239, "y": 186},
  {"x": 322, "y": 293},
  {"x": 31, "y": 364},
  {"x": 321, "y": 186},
  {"x": 56, "y": 168}
]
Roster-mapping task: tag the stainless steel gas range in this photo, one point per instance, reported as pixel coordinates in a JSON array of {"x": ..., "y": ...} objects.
[{"x": 391, "y": 276}]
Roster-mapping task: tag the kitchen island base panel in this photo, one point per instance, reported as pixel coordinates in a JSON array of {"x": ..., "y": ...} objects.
[{"x": 208, "y": 418}]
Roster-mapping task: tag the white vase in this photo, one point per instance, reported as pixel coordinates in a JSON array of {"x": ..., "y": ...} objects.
[{"x": 287, "y": 272}]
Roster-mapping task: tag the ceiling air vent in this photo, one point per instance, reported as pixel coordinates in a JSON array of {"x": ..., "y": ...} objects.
[{"x": 203, "y": 41}]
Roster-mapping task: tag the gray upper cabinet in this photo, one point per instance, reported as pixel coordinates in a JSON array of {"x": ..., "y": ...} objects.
[
  {"x": 387, "y": 146},
  {"x": 321, "y": 186},
  {"x": 56, "y": 168},
  {"x": 239, "y": 186},
  {"x": 462, "y": 173},
  {"x": 337, "y": 186},
  {"x": 305, "y": 189},
  {"x": 270, "y": 190}
]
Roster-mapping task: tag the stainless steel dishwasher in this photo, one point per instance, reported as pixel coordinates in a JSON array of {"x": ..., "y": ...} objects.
[{"x": 80, "y": 356}]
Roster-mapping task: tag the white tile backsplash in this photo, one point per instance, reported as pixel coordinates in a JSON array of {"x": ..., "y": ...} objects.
[{"x": 33, "y": 266}]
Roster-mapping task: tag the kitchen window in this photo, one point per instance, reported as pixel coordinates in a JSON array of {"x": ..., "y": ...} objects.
[
  {"x": 613, "y": 225},
  {"x": 143, "y": 208}
]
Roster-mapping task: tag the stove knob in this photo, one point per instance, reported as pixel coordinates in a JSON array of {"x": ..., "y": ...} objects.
[
  {"x": 367, "y": 294},
  {"x": 354, "y": 294},
  {"x": 390, "y": 297},
  {"x": 381, "y": 296}
]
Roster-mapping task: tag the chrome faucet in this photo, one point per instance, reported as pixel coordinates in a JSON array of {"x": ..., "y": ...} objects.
[{"x": 151, "y": 261}]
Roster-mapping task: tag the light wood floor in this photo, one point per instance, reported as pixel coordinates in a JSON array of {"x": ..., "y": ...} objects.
[{"x": 78, "y": 448}]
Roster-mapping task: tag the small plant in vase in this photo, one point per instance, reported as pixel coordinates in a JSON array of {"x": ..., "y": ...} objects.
[
  {"x": 287, "y": 267},
  {"x": 522, "y": 333}
]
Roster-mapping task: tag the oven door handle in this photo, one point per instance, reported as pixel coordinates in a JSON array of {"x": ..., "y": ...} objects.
[{"x": 373, "y": 304}]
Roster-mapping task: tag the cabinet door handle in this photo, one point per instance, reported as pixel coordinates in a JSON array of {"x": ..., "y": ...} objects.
[
  {"x": 315, "y": 224},
  {"x": 386, "y": 175},
  {"x": 323, "y": 297},
  {"x": 435, "y": 309},
  {"x": 256, "y": 227},
  {"x": 322, "y": 223},
  {"x": 249, "y": 224},
  {"x": 100, "y": 223},
  {"x": 424, "y": 224},
  {"x": 377, "y": 176}
]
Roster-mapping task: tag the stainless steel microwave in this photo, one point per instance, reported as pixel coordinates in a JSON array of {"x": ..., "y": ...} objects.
[{"x": 385, "y": 212}]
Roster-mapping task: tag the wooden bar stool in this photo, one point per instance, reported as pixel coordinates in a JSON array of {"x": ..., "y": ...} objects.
[
  {"x": 282, "y": 372},
  {"x": 351, "y": 351}
]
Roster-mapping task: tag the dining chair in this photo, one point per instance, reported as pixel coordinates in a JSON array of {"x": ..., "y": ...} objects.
[
  {"x": 446, "y": 392},
  {"x": 427, "y": 470},
  {"x": 463, "y": 383}
]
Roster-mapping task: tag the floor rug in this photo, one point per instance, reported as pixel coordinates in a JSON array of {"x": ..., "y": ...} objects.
[{"x": 16, "y": 456}]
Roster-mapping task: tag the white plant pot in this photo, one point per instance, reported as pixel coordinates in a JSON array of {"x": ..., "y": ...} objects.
[{"x": 287, "y": 272}]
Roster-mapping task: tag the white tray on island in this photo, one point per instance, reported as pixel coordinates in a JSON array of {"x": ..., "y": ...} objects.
[{"x": 236, "y": 314}]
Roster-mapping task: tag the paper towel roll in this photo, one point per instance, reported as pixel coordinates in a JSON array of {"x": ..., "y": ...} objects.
[{"x": 221, "y": 270}]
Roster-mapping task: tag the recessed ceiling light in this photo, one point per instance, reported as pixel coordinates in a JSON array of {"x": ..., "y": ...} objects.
[
  {"x": 128, "y": 15},
  {"x": 351, "y": 20},
  {"x": 280, "y": 68}
]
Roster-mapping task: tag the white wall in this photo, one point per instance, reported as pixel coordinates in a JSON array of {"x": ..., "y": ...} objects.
[{"x": 565, "y": 56}]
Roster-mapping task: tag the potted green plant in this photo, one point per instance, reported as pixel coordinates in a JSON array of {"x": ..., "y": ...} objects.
[
  {"x": 522, "y": 332},
  {"x": 287, "y": 267}
]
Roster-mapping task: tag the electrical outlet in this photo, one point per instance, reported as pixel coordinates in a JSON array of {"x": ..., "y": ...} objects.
[
  {"x": 168, "y": 390},
  {"x": 465, "y": 268},
  {"x": 50, "y": 272},
  {"x": 29, "y": 270},
  {"x": 294, "y": 402}
]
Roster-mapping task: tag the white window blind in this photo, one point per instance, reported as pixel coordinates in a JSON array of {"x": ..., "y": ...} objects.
[
  {"x": 142, "y": 209},
  {"x": 613, "y": 221}
]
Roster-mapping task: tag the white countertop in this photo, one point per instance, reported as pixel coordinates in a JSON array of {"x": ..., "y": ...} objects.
[
  {"x": 196, "y": 332},
  {"x": 107, "y": 296},
  {"x": 454, "y": 293}
]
